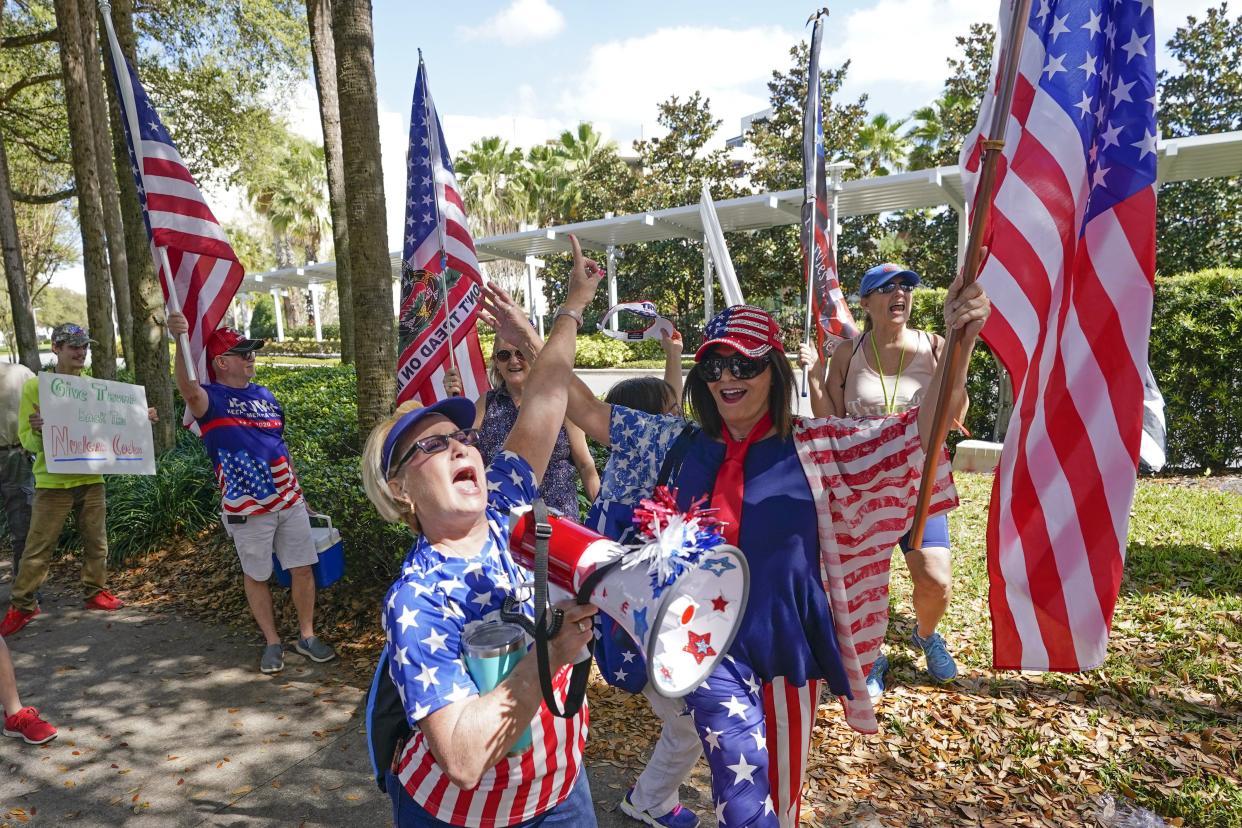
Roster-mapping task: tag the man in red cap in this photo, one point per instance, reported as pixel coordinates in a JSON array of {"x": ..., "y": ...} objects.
[{"x": 264, "y": 512}]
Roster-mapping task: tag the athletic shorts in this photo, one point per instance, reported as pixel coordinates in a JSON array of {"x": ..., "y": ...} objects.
[
  {"x": 935, "y": 534},
  {"x": 286, "y": 533}
]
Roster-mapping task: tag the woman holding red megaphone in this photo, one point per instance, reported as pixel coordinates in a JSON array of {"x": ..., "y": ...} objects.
[{"x": 462, "y": 763}]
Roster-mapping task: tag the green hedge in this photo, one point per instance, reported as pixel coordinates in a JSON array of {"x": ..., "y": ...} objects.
[
  {"x": 301, "y": 347},
  {"x": 1196, "y": 358}
]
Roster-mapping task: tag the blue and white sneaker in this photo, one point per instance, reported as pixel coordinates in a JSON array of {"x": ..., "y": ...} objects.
[
  {"x": 875, "y": 679},
  {"x": 940, "y": 664},
  {"x": 679, "y": 817}
]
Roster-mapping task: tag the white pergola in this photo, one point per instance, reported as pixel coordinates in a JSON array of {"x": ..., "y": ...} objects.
[{"x": 1180, "y": 159}]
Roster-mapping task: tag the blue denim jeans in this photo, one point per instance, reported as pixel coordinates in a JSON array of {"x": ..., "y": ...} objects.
[{"x": 577, "y": 811}]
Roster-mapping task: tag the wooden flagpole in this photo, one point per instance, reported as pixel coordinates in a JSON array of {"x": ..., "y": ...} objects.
[{"x": 955, "y": 352}]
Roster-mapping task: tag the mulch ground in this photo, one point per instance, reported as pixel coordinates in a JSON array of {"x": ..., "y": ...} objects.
[{"x": 992, "y": 748}]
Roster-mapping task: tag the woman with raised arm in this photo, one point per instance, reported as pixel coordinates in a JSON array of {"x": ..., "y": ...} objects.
[
  {"x": 816, "y": 505},
  {"x": 886, "y": 370},
  {"x": 463, "y": 762}
]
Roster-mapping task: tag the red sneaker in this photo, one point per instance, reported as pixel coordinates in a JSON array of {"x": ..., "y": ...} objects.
[
  {"x": 15, "y": 619},
  {"x": 26, "y": 724},
  {"x": 104, "y": 600}
]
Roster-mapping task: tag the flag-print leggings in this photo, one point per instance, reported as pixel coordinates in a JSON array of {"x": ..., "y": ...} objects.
[{"x": 755, "y": 739}]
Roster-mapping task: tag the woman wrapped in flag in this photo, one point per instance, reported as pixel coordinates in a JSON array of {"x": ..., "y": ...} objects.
[
  {"x": 466, "y": 760},
  {"x": 816, "y": 505},
  {"x": 886, "y": 370}
]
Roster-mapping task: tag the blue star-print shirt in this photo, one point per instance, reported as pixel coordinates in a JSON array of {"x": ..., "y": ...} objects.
[{"x": 439, "y": 598}]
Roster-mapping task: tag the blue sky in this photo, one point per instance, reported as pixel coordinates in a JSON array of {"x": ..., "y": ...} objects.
[{"x": 527, "y": 69}]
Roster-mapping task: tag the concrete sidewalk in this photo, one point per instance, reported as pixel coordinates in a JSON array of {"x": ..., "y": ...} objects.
[{"x": 165, "y": 721}]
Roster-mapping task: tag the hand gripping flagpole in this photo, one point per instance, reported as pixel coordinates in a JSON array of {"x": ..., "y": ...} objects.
[
  {"x": 810, "y": 112},
  {"x": 992, "y": 146},
  {"x": 126, "y": 107},
  {"x": 433, "y": 132}
]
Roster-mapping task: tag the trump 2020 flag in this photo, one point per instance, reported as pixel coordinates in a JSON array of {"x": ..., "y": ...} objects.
[
  {"x": 438, "y": 261},
  {"x": 203, "y": 272},
  {"x": 1070, "y": 275},
  {"x": 831, "y": 315}
]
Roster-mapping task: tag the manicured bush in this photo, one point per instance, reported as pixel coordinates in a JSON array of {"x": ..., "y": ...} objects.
[
  {"x": 302, "y": 347},
  {"x": 1196, "y": 358},
  {"x": 599, "y": 351}
]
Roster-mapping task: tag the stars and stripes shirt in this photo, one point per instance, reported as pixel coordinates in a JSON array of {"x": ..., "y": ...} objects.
[
  {"x": 863, "y": 476},
  {"x": 243, "y": 430},
  {"x": 428, "y": 611}
]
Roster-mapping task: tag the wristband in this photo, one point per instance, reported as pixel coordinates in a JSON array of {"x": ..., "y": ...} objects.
[{"x": 571, "y": 313}]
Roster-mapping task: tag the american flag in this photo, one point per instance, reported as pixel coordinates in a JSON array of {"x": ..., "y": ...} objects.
[
  {"x": 432, "y": 200},
  {"x": 833, "y": 321},
  {"x": 1070, "y": 275},
  {"x": 253, "y": 486},
  {"x": 205, "y": 273}
]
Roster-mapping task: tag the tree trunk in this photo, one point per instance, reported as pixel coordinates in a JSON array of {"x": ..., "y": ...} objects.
[
  {"x": 323, "y": 54},
  {"x": 15, "y": 270},
  {"x": 375, "y": 353},
  {"x": 117, "y": 260},
  {"x": 85, "y": 174},
  {"x": 150, "y": 356}
]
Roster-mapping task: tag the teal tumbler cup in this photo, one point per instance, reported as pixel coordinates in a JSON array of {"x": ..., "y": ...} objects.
[{"x": 492, "y": 651}]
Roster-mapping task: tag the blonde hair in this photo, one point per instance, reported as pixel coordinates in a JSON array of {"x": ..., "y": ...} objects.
[{"x": 373, "y": 480}]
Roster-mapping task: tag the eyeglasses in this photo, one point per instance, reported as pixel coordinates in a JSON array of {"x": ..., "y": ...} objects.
[
  {"x": 506, "y": 355},
  {"x": 889, "y": 287},
  {"x": 741, "y": 367},
  {"x": 435, "y": 444}
]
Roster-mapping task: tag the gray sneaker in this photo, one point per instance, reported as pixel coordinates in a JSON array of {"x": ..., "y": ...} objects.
[
  {"x": 273, "y": 660},
  {"x": 314, "y": 649}
]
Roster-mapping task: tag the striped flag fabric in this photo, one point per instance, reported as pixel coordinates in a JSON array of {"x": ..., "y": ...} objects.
[
  {"x": 434, "y": 211},
  {"x": 831, "y": 316},
  {"x": 203, "y": 273},
  {"x": 1070, "y": 275}
]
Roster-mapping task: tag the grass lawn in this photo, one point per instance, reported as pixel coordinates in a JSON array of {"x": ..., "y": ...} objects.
[{"x": 1159, "y": 725}]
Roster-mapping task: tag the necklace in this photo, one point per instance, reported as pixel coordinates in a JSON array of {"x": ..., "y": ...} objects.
[{"x": 889, "y": 404}]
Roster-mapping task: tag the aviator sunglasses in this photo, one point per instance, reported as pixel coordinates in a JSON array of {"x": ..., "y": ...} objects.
[
  {"x": 741, "y": 367},
  {"x": 435, "y": 444},
  {"x": 506, "y": 355}
]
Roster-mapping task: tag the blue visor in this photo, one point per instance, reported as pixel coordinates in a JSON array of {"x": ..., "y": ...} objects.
[
  {"x": 882, "y": 274},
  {"x": 459, "y": 411}
]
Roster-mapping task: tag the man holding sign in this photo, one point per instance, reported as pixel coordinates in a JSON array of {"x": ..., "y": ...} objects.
[{"x": 56, "y": 495}]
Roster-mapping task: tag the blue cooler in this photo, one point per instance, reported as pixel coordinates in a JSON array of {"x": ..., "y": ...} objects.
[{"x": 331, "y": 548}]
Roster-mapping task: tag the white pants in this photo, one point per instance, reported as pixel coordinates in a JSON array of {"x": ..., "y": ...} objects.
[{"x": 675, "y": 753}]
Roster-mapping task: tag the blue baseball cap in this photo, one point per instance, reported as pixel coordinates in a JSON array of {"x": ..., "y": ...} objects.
[
  {"x": 459, "y": 411},
  {"x": 882, "y": 274}
]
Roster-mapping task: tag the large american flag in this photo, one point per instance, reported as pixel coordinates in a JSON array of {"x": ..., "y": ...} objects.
[
  {"x": 1070, "y": 275},
  {"x": 250, "y": 485},
  {"x": 431, "y": 199},
  {"x": 833, "y": 321},
  {"x": 205, "y": 273}
]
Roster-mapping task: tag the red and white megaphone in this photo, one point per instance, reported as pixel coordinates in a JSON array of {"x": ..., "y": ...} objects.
[{"x": 681, "y": 597}]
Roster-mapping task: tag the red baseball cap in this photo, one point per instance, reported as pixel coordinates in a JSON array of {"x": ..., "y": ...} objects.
[
  {"x": 748, "y": 329},
  {"x": 229, "y": 341}
]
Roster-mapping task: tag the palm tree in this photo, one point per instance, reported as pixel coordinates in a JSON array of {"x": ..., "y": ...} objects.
[
  {"x": 545, "y": 179},
  {"x": 580, "y": 151},
  {"x": 375, "y": 351},
  {"x": 323, "y": 57},
  {"x": 489, "y": 177},
  {"x": 290, "y": 195},
  {"x": 882, "y": 145},
  {"x": 935, "y": 142}
]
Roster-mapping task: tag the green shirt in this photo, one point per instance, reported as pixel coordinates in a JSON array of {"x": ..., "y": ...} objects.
[{"x": 32, "y": 441}]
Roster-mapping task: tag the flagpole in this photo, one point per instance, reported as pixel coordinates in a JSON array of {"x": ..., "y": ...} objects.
[
  {"x": 172, "y": 301},
  {"x": 992, "y": 146},
  {"x": 433, "y": 132},
  {"x": 808, "y": 192}
]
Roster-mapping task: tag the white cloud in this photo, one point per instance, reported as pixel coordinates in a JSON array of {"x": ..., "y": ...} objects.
[
  {"x": 519, "y": 23},
  {"x": 624, "y": 80}
]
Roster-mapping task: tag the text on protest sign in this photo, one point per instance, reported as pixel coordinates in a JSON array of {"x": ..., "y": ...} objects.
[{"x": 94, "y": 426}]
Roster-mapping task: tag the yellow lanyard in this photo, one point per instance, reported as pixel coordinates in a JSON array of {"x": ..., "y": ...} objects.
[{"x": 889, "y": 405}]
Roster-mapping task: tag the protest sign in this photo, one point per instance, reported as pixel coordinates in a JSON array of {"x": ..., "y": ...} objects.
[{"x": 94, "y": 426}]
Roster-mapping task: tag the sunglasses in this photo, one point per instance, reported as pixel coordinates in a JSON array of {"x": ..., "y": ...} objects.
[
  {"x": 435, "y": 444},
  {"x": 889, "y": 287},
  {"x": 248, "y": 356},
  {"x": 711, "y": 369},
  {"x": 506, "y": 355}
]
